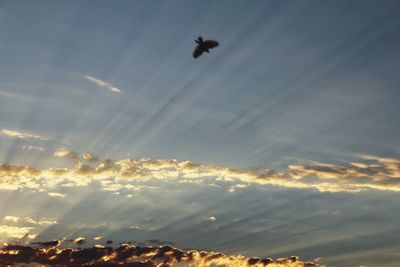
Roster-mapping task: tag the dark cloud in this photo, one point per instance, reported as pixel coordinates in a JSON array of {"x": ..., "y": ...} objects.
[
  {"x": 53, "y": 243},
  {"x": 130, "y": 255}
]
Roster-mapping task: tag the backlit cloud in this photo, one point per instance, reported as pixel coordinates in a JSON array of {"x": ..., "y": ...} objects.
[
  {"x": 74, "y": 156},
  {"x": 116, "y": 175},
  {"x": 27, "y": 220},
  {"x": 16, "y": 231},
  {"x": 64, "y": 153},
  {"x": 79, "y": 240},
  {"x": 53, "y": 243},
  {"x": 104, "y": 84},
  {"x": 21, "y": 135},
  {"x": 163, "y": 256},
  {"x": 9, "y": 218},
  {"x": 23, "y": 227}
]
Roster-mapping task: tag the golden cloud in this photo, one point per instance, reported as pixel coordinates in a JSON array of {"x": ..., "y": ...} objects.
[
  {"x": 9, "y": 218},
  {"x": 17, "y": 231},
  {"x": 373, "y": 174},
  {"x": 27, "y": 220}
]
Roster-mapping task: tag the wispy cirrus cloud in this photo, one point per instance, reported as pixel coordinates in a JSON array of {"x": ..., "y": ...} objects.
[
  {"x": 163, "y": 256},
  {"x": 103, "y": 84},
  {"x": 21, "y": 135},
  {"x": 114, "y": 175}
]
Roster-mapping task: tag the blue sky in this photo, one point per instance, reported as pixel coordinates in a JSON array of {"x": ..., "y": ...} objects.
[
  {"x": 295, "y": 86},
  {"x": 304, "y": 80}
]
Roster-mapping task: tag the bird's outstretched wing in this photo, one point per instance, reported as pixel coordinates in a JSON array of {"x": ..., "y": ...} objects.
[
  {"x": 204, "y": 46},
  {"x": 211, "y": 44},
  {"x": 198, "y": 51}
]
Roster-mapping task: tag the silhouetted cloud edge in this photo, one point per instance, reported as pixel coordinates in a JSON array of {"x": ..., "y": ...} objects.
[{"x": 130, "y": 255}]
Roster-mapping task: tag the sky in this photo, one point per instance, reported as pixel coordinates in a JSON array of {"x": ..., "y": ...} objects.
[{"x": 283, "y": 140}]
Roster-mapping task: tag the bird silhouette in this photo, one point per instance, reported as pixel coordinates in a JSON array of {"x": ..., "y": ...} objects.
[{"x": 203, "y": 46}]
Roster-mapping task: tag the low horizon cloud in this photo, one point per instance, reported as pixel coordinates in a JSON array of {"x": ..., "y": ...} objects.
[
  {"x": 161, "y": 256},
  {"x": 103, "y": 84}
]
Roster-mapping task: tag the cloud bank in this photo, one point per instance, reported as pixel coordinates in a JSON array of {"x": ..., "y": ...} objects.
[
  {"x": 130, "y": 255},
  {"x": 373, "y": 173},
  {"x": 103, "y": 84}
]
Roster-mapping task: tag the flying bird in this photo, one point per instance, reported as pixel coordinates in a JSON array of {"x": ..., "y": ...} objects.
[{"x": 203, "y": 46}]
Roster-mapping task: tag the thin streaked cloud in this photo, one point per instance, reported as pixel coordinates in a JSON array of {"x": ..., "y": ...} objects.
[
  {"x": 54, "y": 194},
  {"x": 37, "y": 148},
  {"x": 135, "y": 227},
  {"x": 103, "y": 84},
  {"x": 22, "y": 135}
]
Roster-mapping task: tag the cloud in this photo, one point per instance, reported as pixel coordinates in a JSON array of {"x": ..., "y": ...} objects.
[
  {"x": 22, "y": 228},
  {"x": 79, "y": 240},
  {"x": 74, "y": 156},
  {"x": 65, "y": 153},
  {"x": 21, "y": 135},
  {"x": 212, "y": 219},
  {"x": 16, "y": 231},
  {"x": 89, "y": 157},
  {"x": 104, "y": 84},
  {"x": 27, "y": 220},
  {"x": 13, "y": 219},
  {"x": 53, "y": 243},
  {"x": 373, "y": 173},
  {"x": 38, "y": 148},
  {"x": 54, "y": 194},
  {"x": 162, "y": 256}
]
